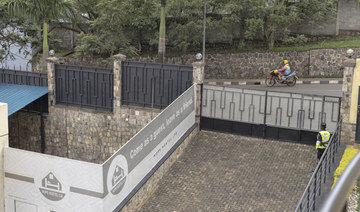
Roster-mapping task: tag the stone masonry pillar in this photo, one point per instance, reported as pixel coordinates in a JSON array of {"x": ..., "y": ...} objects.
[
  {"x": 198, "y": 78},
  {"x": 4, "y": 142},
  {"x": 51, "y": 79},
  {"x": 118, "y": 59},
  {"x": 348, "y": 128}
]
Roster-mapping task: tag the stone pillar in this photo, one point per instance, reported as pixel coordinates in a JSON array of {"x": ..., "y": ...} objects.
[
  {"x": 4, "y": 142},
  {"x": 348, "y": 128},
  {"x": 51, "y": 61},
  {"x": 198, "y": 78},
  {"x": 117, "y": 81}
]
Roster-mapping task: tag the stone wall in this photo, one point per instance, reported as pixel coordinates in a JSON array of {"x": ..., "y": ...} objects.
[
  {"x": 347, "y": 128},
  {"x": 78, "y": 133},
  {"x": 89, "y": 135},
  {"x": 24, "y": 131},
  {"x": 316, "y": 63}
]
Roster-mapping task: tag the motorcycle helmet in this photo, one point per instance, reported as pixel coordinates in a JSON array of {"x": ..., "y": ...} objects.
[
  {"x": 286, "y": 62},
  {"x": 275, "y": 71}
]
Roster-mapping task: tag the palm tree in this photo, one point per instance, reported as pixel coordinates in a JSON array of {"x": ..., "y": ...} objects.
[
  {"x": 161, "y": 50},
  {"x": 41, "y": 12}
]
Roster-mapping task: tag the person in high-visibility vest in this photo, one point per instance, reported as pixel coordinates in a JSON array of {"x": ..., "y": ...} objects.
[{"x": 322, "y": 141}]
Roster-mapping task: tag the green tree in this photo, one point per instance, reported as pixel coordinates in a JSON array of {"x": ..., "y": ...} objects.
[
  {"x": 41, "y": 12},
  {"x": 272, "y": 19},
  {"x": 185, "y": 24},
  {"x": 119, "y": 27},
  {"x": 14, "y": 32}
]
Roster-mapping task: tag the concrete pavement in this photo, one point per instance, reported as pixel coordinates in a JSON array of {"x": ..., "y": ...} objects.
[{"x": 224, "y": 172}]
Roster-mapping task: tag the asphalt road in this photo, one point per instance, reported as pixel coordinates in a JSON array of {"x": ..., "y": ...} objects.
[{"x": 318, "y": 89}]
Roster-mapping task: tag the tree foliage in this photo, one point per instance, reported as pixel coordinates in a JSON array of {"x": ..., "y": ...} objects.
[
  {"x": 272, "y": 20},
  {"x": 119, "y": 26},
  {"x": 10, "y": 36},
  {"x": 41, "y": 13},
  {"x": 130, "y": 27}
]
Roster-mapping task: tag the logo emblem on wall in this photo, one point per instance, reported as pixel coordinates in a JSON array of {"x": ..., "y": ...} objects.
[
  {"x": 117, "y": 173},
  {"x": 51, "y": 188},
  {"x": 118, "y": 180}
]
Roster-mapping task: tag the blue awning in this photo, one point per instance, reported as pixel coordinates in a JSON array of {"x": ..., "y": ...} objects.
[{"x": 18, "y": 96}]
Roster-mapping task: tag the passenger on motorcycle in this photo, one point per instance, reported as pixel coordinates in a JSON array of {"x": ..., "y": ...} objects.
[{"x": 284, "y": 71}]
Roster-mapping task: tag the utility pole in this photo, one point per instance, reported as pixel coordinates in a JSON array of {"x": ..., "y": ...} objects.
[{"x": 203, "y": 51}]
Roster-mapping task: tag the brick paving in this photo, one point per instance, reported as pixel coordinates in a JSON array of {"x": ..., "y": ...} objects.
[{"x": 224, "y": 172}]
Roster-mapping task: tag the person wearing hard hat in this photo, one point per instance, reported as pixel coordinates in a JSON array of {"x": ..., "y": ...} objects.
[{"x": 284, "y": 70}]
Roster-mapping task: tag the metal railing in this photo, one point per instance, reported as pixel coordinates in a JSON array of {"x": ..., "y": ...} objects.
[
  {"x": 23, "y": 77},
  {"x": 313, "y": 189},
  {"x": 337, "y": 198}
]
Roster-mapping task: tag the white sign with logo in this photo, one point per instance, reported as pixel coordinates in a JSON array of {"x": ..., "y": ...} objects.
[
  {"x": 38, "y": 182},
  {"x": 51, "y": 183}
]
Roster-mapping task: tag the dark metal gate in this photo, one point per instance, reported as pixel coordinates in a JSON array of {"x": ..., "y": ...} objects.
[
  {"x": 357, "y": 136},
  {"x": 267, "y": 114},
  {"x": 87, "y": 87},
  {"x": 153, "y": 85}
]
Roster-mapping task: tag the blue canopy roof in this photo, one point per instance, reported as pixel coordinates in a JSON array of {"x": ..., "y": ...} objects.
[{"x": 18, "y": 96}]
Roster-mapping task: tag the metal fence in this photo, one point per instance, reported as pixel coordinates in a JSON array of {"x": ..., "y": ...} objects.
[
  {"x": 23, "y": 77},
  {"x": 153, "y": 85},
  {"x": 312, "y": 192},
  {"x": 87, "y": 87},
  {"x": 336, "y": 201},
  {"x": 266, "y": 113}
]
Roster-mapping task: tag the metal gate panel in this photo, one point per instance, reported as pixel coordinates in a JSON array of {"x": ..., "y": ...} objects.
[
  {"x": 235, "y": 104},
  {"x": 84, "y": 86},
  {"x": 153, "y": 85},
  {"x": 296, "y": 116}
]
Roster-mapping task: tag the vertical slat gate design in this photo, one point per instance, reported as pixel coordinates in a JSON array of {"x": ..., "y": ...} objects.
[
  {"x": 23, "y": 77},
  {"x": 153, "y": 85},
  {"x": 87, "y": 87}
]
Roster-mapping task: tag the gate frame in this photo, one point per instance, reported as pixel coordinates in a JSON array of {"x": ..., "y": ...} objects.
[{"x": 263, "y": 130}]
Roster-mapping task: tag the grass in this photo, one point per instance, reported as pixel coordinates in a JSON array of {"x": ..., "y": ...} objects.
[{"x": 330, "y": 43}]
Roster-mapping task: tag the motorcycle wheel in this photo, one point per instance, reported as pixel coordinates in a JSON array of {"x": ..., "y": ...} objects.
[
  {"x": 291, "y": 81},
  {"x": 269, "y": 82}
]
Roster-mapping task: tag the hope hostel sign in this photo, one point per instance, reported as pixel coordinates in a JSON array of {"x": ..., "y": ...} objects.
[{"x": 38, "y": 182}]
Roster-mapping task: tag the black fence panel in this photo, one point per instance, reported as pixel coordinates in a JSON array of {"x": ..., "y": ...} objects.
[
  {"x": 259, "y": 130},
  {"x": 153, "y": 85},
  {"x": 87, "y": 87},
  {"x": 23, "y": 77}
]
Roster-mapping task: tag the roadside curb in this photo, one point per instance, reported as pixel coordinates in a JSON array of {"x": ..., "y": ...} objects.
[{"x": 262, "y": 82}]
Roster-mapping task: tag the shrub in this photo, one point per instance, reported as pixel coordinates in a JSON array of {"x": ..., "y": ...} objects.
[{"x": 345, "y": 160}]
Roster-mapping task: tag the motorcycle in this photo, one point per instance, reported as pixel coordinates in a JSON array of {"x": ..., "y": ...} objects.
[{"x": 289, "y": 80}]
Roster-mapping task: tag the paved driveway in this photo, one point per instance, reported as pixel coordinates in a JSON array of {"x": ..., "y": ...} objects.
[{"x": 224, "y": 172}]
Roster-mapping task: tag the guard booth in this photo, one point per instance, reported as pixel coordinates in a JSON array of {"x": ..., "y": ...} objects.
[{"x": 357, "y": 136}]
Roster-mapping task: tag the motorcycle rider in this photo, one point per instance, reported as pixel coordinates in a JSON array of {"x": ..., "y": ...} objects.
[{"x": 284, "y": 71}]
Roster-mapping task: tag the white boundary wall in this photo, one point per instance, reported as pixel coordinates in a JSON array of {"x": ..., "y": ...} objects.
[
  {"x": 4, "y": 142},
  {"x": 43, "y": 183}
]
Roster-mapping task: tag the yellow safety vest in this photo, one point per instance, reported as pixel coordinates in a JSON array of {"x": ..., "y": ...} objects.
[{"x": 325, "y": 135}]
